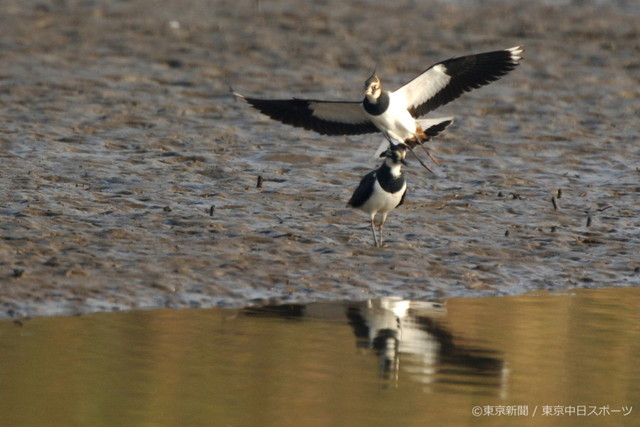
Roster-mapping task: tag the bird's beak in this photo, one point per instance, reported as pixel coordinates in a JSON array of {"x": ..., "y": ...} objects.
[{"x": 404, "y": 162}]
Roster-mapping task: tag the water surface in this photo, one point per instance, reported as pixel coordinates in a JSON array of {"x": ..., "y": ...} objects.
[{"x": 379, "y": 362}]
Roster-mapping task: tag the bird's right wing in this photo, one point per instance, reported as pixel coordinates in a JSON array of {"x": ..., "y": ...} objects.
[{"x": 324, "y": 117}]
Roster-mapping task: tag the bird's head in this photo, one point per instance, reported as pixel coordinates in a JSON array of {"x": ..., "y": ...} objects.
[
  {"x": 395, "y": 155},
  {"x": 373, "y": 87}
]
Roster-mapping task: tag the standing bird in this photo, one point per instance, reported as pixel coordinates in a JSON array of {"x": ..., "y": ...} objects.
[
  {"x": 395, "y": 113},
  {"x": 382, "y": 190}
]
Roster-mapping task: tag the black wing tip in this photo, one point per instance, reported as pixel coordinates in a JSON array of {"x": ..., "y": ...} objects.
[
  {"x": 508, "y": 58},
  {"x": 514, "y": 54},
  {"x": 489, "y": 66},
  {"x": 512, "y": 60},
  {"x": 483, "y": 68}
]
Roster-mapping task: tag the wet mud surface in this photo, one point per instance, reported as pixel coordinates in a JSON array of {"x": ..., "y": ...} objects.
[{"x": 129, "y": 172}]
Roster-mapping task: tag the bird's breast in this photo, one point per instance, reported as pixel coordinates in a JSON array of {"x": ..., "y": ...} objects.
[
  {"x": 395, "y": 121},
  {"x": 379, "y": 106},
  {"x": 383, "y": 201}
]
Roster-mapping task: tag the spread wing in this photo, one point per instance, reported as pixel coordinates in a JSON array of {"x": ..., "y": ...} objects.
[
  {"x": 447, "y": 80},
  {"x": 324, "y": 117}
]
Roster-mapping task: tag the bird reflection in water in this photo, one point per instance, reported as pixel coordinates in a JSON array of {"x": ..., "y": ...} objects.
[
  {"x": 414, "y": 332},
  {"x": 396, "y": 328}
]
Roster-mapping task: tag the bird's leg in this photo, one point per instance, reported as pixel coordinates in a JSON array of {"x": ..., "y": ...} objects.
[
  {"x": 373, "y": 230},
  {"x": 420, "y": 160},
  {"x": 383, "y": 218},
  {"x": 421, "y": 138},
  {"x": 412, "y": 152},
  {"x": 430, "y": 154},
  {"x": 386, "y": 135}
]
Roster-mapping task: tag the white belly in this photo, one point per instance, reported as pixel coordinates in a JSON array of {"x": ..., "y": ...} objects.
[
  {"x": 381, "y": 201},
  {"x": 396, "y": 121}
]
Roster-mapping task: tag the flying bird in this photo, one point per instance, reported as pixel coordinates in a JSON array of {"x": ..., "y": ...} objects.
[{"x": 396, "y": 114}]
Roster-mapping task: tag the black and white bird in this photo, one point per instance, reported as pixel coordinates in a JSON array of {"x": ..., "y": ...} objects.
[
  {"x": 382, "y": 190},
  {"x": 395, "y": 113}
]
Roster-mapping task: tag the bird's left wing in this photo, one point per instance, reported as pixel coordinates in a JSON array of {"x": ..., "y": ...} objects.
[
  {"x": 324, "y": 117},
  {"x": 447, "y": 80},
  {"x": 363, "y": 190}
]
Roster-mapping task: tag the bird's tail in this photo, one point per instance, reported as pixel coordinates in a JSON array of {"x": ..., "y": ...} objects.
[{"x": 430, "y": 128}]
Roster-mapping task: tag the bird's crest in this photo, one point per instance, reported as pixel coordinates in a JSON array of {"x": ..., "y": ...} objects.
[{"x": 373, "y": 79}]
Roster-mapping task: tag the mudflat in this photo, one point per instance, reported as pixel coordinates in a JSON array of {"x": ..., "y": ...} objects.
[{"x": 129, "y": 172}]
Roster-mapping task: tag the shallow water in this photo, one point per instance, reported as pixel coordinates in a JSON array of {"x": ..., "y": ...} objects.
[{"x": 389, "y": 362}]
